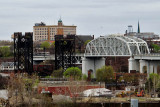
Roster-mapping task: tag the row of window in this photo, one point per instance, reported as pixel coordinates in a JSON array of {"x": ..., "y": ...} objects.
[
  {"x": 69, "y": 28},
  {"x": 53, "y": 29},
  {"x": 44, "y": 31},
  {"x": 44, "y": 28},
  {"x": 65, "y": 32},
  {"x": 52, "y": 34},
  {"x": 41, "y": 29},
  {"x": 43, "y": 39},
  {"x": 39, "y": 38},
  {"x": 44, "y": 34}
]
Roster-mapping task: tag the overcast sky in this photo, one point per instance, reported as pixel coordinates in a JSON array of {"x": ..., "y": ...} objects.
[{"x": 93, "y": 17}]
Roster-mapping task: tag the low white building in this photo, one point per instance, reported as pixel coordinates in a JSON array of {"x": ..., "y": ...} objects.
[
  {"x": 7, "y": 66},
  {"x": 97, "y": 92},
  {"x": 4, "y": 94}
]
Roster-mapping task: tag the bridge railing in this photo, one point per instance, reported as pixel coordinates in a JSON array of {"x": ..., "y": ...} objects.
[
  {"x": 41, "y": 54},
  {"x": 151, "y": 54}
]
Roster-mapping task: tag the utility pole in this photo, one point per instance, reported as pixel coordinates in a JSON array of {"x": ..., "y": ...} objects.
[{"x": 154, "y": 85}]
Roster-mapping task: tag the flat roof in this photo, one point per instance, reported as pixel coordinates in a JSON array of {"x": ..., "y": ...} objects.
[{"x": 56, "y": 26}]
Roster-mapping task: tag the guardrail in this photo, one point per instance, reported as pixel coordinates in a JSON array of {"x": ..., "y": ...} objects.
[{"x": 152, "y": 54}]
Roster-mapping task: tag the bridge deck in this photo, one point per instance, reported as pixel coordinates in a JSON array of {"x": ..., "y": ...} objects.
[
  {"x": 78, "y": 57},
  {"x": 148, "y": 57}
]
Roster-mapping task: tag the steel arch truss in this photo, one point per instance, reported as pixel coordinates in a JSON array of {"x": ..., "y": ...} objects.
[{"x": 113, "y": 45}]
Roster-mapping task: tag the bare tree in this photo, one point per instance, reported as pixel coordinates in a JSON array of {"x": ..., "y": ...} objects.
[
  {"x": 76, "y": 89},
  {"x": 21, "y": 89}
]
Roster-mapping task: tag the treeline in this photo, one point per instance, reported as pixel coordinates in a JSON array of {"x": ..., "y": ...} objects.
[
  {"x": 6, "y": 51},
  {"x": 6, "y": 43},
  {"x": 6, "y": 48}
]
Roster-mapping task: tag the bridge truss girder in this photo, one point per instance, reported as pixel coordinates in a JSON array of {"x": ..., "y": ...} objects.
[{"x": 116, "y": 45}]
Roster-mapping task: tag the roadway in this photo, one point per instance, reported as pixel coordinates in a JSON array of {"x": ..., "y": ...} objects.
[{"x": 148, "y": 57}]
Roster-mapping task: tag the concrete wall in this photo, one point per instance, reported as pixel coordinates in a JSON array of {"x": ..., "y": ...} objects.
[
  {"x": 133, "y": 64},
  {"x": 92, "y": 63},
  {"x": 138, "y": 65}
]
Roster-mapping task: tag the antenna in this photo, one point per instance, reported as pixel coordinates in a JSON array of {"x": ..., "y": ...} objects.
[{"x": 60, "y": 17}]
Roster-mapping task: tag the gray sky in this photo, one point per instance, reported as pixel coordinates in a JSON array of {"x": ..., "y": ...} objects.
[{"x": 95, "y": 17}]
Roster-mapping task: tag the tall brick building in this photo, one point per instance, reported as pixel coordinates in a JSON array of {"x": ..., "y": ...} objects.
[{"x": 43, "y": 32}]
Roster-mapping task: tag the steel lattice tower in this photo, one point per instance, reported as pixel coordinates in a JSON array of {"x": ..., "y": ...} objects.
[
  {"x": 64, "y": 51},
  {"x": 23, "y": 52}
]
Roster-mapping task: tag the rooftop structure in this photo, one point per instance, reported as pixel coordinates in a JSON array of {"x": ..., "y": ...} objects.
[{"x": 40, "y": 24}]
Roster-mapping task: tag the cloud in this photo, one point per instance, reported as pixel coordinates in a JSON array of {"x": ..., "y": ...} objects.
[{"x": 96, "y": 17}]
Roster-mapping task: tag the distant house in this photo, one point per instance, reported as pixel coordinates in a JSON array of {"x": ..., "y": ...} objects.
[
  {"x": 80, "y": 40},
  {"x": 7, "y": 66}
]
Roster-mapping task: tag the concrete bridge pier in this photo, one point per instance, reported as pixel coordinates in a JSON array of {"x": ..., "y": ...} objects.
[
  {"x": 92, "y": 63},
  {"x": 152, "y": 67},
  {"x": 155, "y": 68},
  {"x": 139, "y": 65},
  {"x": 142, "y": 63},
  {"x": 133, "y": 64}
]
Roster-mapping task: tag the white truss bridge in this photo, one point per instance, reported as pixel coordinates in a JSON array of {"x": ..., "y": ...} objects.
[
  {"x": 116, "y": 45},
  {"x": 120, "y": 46}
]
